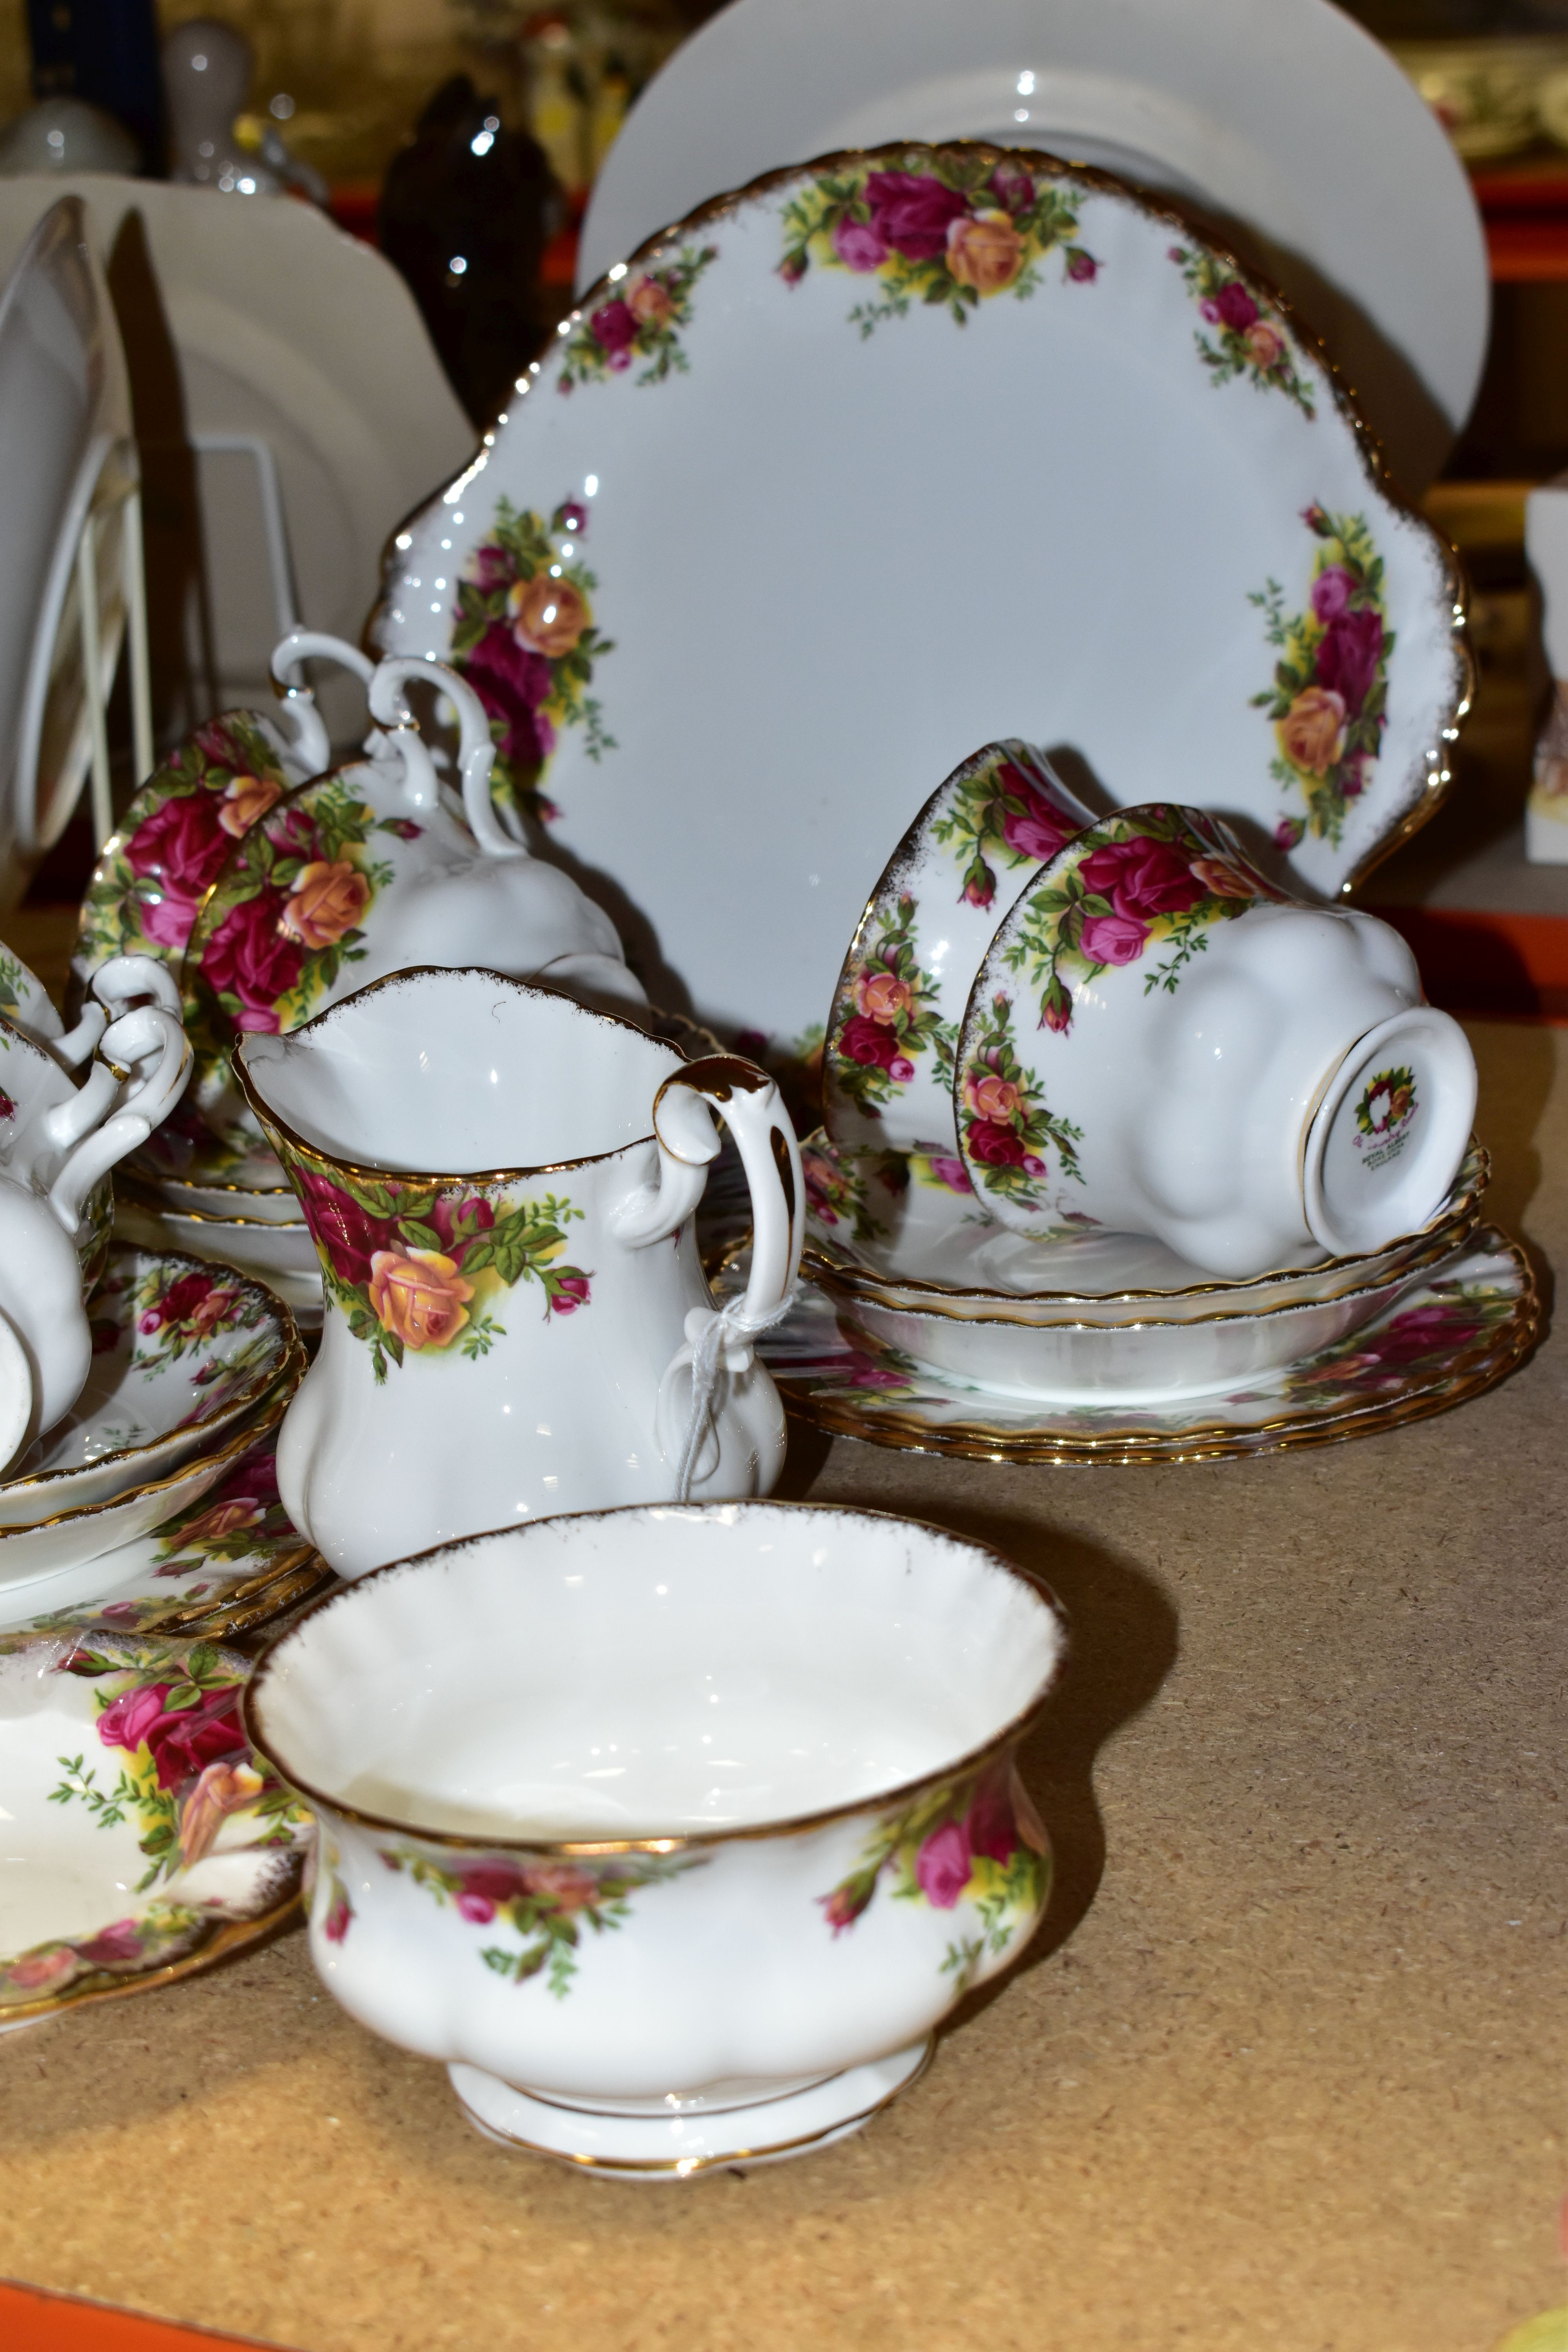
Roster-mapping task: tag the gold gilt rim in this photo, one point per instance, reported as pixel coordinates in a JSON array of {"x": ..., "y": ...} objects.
[
  {"x": 262, "y": 1614},
  {"x": 296, "y": 1575},
  {"x": 268, "y": 1416},
  {"x": 158, "y": 1180},
  {"x": 228, "y": 1935},
  {"x": 141, "y": 1194},
  {"x": 273, "y": 1125},
  {"x": 962, "y": 1767},
  {"x": 867, "y": 1295},
  {"x": 1433, "y": 774},
  {"x": 1199, "y": 1446},
  {"x": 688, "y": 2166},
  {"x": 1211, "y": 1441},
  {"x": 251, "y": 1394},
  {"x": 1456, "y": 1221}
]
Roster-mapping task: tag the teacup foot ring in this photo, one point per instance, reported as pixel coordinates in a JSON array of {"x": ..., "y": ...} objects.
[{"x": 649, "y": 2149}]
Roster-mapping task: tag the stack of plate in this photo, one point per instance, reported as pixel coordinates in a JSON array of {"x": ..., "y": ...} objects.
[
  {"x": 236, "y": 1208},
  {"x": 1455, "y": 1331},
  {"x": 1108, "y": 1351},
  {"x": 925, "y": 1277},
  {"x": 193, "y": 1368}
]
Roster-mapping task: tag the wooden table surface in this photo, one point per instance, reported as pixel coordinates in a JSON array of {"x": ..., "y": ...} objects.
[{"x": 1284, "y": 2067}]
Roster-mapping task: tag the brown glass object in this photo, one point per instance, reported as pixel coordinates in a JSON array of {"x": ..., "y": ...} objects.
[{"x": 464, "y": 213}]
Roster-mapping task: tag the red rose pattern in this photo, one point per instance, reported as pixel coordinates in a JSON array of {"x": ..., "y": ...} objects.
[
  {"x": 1349, "y": 653},
  {"x": 180, "y": 848},
  {"x": 912, "y": 211},
  {"x": 513, "y": 685},
  {"x": 251, "y": 958},
  {"x": 347, "y": 1235},
  {"x": 183, "y": 1743},
  {"x": 1142, "y": 877}
]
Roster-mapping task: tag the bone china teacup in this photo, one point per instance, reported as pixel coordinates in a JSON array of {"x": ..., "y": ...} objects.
[
  {"x": 530, "y": 1330},
  {"x": 1162, "y": 1042},
  {"x": 771, "y": 1745}
]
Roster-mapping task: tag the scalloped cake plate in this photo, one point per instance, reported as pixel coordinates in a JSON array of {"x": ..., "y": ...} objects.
[
  {"x": 145, "y": 1836},
  {"x": 1459, "y": 1329},
  {"x": 888, "y": 456},
  {"x": 184, "y": 1352}
]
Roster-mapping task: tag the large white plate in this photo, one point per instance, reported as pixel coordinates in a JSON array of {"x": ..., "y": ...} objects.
[
  {"x": 1281, "y": 117},
  {"x": 790, "y": 556}
]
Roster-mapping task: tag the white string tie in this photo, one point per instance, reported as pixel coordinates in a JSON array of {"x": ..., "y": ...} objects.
[{"x": 728, "y": 1328}]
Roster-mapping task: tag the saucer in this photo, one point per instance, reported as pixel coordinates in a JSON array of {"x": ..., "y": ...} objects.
[
  {"x": 689, "y": 702},
  {"x": 281, "y": 1256},
  {"x": 152, "y": 1840},
  {"x": 1460, "y": 1328},
  {"x": 72, "y": 1538},
  {"x": 227, "y": 1564},
  {"x": 182, "y": 1354},
  {"x": 909, "y": 1232},
  {"x": 655, "y": 2147},
  {"x": 1131, "y": 1363},
  {"x": 189, "y": 1170},
  {"x": 185, "y": 1152}
]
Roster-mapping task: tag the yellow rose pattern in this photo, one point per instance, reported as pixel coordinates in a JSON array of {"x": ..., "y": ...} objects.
[
  {"x": 524, "y": 637},
  {"x": 1329, "y": 698},
  {"x": 417, "y": 1268}
]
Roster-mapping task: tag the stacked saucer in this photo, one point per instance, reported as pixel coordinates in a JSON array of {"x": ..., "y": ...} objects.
[
  {"x": 192, "y": 1366},
  {"x": 1121, "y": 1136},
  {"x": 926, "y": 1279},
  {"x": 1454, "y": 1330},
  {"x": 228, "y": 1202}
]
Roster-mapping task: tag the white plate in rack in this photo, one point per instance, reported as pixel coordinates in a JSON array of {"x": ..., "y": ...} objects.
[{"x": 796, "y": 515}]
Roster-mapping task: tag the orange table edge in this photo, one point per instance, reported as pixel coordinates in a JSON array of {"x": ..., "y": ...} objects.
[{"x": 32, "y": 2321}]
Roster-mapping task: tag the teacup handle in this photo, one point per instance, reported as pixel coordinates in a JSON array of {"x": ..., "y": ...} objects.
[
  {"x": 115, "y": 984},
  {"x": 476, "y": 750},
  {"x": 311, "y": 744},
  {"x": 149, "y": 1035}
]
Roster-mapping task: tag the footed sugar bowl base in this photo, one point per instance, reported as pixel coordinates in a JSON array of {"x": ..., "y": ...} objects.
[
  {"x": 655, "y": 2140},
  {"x": 673, "y": 1832}
]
